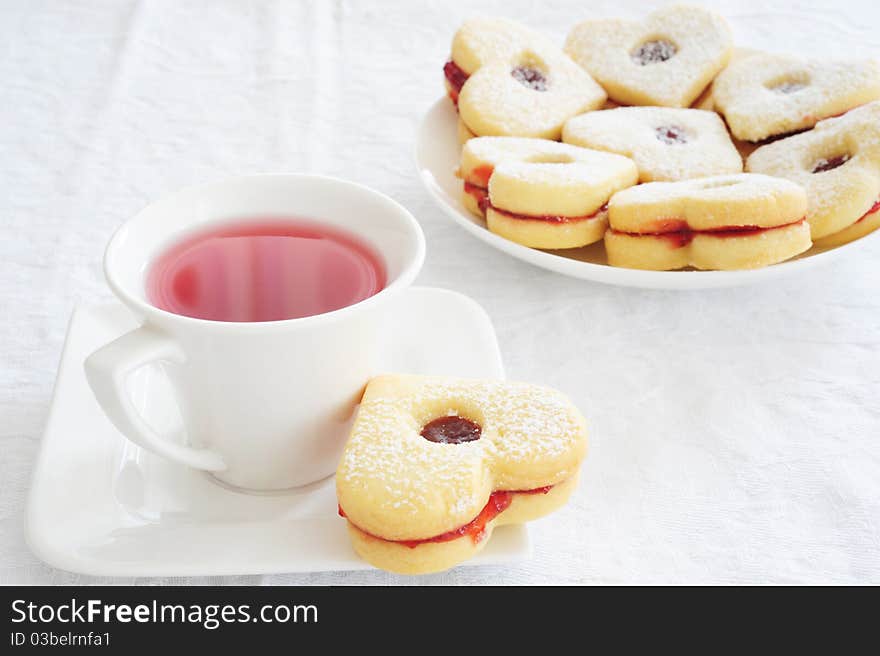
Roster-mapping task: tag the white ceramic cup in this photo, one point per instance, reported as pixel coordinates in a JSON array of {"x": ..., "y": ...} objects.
[{"x": 265, "y": 405}]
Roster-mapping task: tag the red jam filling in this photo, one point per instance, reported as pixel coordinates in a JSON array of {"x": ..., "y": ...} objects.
[
  {"x": 874, "y": 209},
  {"x": 537, "y": 490},
  {"x": 456, "y": 78},
  {"x": 679, "y": 234},
  {"x": 481, "y": 174},
  {"x": 550, "y": 218},
  {"x": 451, "y": 430},
  {"x": 529, "y": 77},
  {"x": 671, "y": 134},
  {"x": 654, "y": 52},
  {"x": 830, "y": 163},
  {"x": 480, "y": 194},
  {"x": 783, "y": 135},
  {"x": 476, "y": 528}
]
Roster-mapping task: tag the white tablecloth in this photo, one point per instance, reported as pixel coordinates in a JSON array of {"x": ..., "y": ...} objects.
[{"x": 735, "y": 433}]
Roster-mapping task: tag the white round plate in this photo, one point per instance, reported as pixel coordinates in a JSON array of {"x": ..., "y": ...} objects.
[{"x": 437, "y": 157}]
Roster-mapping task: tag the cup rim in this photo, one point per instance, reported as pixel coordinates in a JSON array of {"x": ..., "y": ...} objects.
[{"x": 403, "y": 279}]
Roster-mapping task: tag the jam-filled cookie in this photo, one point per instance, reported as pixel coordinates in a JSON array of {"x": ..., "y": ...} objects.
[
  {"x": 540, "y": 193},
  {"x": 767, "y": 96},
  {"x": 741, "y": 221},
  {"x": 482, "y": 40},
  {"x": 508, "y": 80},
  {"x": 667, "y": 59},
  {"x": 532, "y": 94},
  {"x": 434, "y": 464},
  {"x": 838, "y": 163},
  {"x": 666, "y": 143}
]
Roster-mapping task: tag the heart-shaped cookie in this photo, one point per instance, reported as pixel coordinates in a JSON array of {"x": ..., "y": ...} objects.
[
  {"x": 482, "y": 40},
  {"x": 434, "y": 464},
  {"x": 766, "y": 96},
  {"x": 741, "y": 221},
  {"x": 667, "y": 59},
  {"x": 531, "y": 94},
  {"x": 838, "y": 163},
  {"x": 541, "y": 193},
  {"x": 666, "y": 143},
  {"x": 509, "y": 80}
]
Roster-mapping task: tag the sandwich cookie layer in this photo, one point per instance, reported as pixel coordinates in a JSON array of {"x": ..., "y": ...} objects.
[
  {"x": 838, "y": 164},
  {"x": 434, "y": 463},
  {"x": 742, "y": 221},
  {"x": 540, "y": 193}
]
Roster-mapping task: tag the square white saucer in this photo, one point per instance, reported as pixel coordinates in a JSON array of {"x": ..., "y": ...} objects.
[{"x": 100, "y": 505}]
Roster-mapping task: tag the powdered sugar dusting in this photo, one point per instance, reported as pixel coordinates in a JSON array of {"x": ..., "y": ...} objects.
[
  {"x": 566, "y": 180},
  {"x": 530, "y": 435},
  {"x": 654, "y": 52},
  {"x": 789, "y": 87},
  {"x": 666, "y": 59},
  {"x": 665, "y": 143},
  {"x": 824, "y": 164},
  {"x": 494, "y": 150},
  {"x": 483, "y": 40},
  {"x": 763, "y": 95},
  {"x": 838, "y": 163},
  {"x": 671, "y": 134},
  {"x": 706, "y": 203},
  {"x": 496, "y": 102},
  {"x": 530, "y": 77}
]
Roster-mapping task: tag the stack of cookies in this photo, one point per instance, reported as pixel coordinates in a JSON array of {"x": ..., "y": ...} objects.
[
  {"x": 658, "y": 120},
  {"x": 434, "y": 464}
]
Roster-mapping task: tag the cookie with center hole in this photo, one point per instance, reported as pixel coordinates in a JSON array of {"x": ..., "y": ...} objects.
[
  {"x": 742, "y": 221},
  {"x": 666, "y": 143},
  {"x": 667, "y": 59},
  {"x": 838, "y": 163},
  {"x": 540, "y": 193},
  {"x": 531, "y": 94},
  {"x": 434, "y": 464},
  {"x": 764, "y": 97},
  {"x": 482, "y": 40}
]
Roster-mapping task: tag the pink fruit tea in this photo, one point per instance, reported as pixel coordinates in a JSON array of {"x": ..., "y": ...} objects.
[{"x": 265, "y": 270}]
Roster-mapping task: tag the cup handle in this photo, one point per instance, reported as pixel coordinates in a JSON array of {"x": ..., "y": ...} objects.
[{"x": 107, "y": 370}]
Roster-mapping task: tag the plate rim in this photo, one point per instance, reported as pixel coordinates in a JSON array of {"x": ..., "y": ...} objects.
[{"x": 602, "y": 273}]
